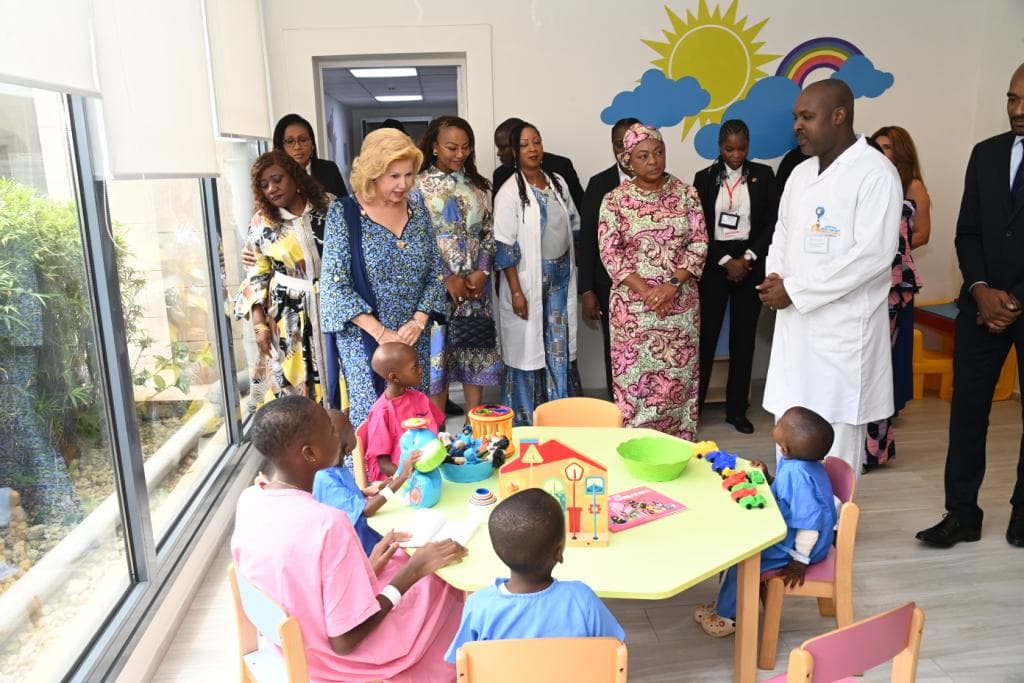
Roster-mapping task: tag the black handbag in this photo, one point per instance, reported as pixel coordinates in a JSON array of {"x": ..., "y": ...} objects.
[{"x": 466, "y": 332}]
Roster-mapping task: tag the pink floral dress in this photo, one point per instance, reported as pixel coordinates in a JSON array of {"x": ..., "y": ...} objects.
[{"x": 655, "y": 369}]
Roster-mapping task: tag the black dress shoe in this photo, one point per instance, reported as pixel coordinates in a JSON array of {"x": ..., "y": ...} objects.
[
  {"x": 741, "y": 424},
  {"x": 949, "y": 532},
  {"x": 1015, "y": 532},
  {"x": 453, "y": 408}
]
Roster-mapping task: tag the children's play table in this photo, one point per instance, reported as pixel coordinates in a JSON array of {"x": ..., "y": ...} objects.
[{"x": 652, "y": 561}]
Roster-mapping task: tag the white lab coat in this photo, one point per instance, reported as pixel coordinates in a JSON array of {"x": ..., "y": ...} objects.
[
  {"x": 831, "y": 350},
  {"x": 522, "y": 341}
]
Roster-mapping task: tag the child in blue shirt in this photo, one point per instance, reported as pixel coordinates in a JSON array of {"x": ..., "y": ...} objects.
[
  {"x": 528, "y": 534},
  {"x": 337, "y": 487},
  {"x": 804, "y": 494}
]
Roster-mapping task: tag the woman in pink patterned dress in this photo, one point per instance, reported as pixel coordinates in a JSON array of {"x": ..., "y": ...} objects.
[{"x": 653, "y": 243}]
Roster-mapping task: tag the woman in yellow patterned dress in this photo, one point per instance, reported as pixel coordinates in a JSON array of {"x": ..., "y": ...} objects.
[{"x": 280, "y": 292}]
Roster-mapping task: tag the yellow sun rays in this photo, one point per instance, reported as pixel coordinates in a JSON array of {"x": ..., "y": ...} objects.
[{"x": 718, "y": 50}]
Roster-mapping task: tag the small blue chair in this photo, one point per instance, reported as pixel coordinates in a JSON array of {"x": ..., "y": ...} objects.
[{"x": 256, "y": 615}]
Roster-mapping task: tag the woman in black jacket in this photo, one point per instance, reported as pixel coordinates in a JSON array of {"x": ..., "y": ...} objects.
[
  {"x": 294, "y": 136},
  {"x": 740, "y": 207}
]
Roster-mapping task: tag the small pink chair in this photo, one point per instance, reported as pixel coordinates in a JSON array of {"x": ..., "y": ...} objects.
[
  {"x": 830, "y": 581},
  {"x": 850, "y": 651}
]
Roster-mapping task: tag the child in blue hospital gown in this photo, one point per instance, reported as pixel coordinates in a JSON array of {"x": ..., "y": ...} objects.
[
  {"x": 528, "y": 534},
  {"x": 804, "y": 494}
]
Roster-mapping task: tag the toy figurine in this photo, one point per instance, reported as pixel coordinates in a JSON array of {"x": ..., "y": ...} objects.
[{"x": 469, "y": 458}]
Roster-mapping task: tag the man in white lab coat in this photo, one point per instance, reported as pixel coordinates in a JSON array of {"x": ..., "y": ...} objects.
[{"x": 829, "y": 273}]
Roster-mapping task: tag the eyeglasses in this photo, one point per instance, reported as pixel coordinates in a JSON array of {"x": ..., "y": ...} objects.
[{"x": 292, "y": 142}]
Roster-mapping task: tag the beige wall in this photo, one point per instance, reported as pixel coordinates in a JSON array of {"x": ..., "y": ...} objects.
[{"x": 558, "y": 64}]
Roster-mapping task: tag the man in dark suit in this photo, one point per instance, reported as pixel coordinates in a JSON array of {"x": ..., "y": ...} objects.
[
  {"x": 592, "y": 278},
  {"x": 552, "y": 163},
  {"x": 990, "y": 248}
]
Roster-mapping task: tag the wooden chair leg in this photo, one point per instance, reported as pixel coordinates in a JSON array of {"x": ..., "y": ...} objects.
[
  {"x": 826, "y": 607},
  {"x": 844, "y": 608},
  {"x": 946, "y": 386},
  {"x": 774, "y": 590}
]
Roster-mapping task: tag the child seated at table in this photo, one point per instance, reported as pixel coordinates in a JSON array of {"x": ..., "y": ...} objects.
[
  {"x": 337, "y": 487},
  {"x": 804, "y": 494},
  {"x": 528, "y": 534},
  {"x": 399, "y": 365}
]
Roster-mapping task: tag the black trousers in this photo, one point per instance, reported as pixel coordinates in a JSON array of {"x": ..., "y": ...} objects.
[
  {"x": 716, "y": 291},
  {"x": 978, "y": 356},
  {"x": 603, "y": 293}
]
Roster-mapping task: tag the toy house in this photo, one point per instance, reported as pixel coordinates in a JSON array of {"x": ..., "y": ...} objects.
[{"x": 578, "y": 483}]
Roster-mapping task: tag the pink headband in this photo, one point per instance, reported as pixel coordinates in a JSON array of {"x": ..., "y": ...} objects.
[{"x": 636, "y": 134}]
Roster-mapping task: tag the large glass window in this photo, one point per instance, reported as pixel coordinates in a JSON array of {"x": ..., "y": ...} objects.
[
  {"x": 63, "y": 564},
  {"x": 236, "y": 210},
  {"x": 169, "y": 327}
]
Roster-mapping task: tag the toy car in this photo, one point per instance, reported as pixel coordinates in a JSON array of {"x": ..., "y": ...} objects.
[
  {"x": 720, "y": 460},
  {"x": 737, "y": 478},
  {"x": 702, "y": 448},
  {"x": 754, "y": 501},
  {"x": 755, "y": 476},
  {"x": 742, "y": 491}
]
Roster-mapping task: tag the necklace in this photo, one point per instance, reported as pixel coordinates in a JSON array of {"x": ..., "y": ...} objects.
[
  {"x": 538, "y": 182},
  {"x": 284, "y": 483}
]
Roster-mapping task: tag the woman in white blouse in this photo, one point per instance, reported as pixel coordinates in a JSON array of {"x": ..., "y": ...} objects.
[{"x": 740, "y": 207}]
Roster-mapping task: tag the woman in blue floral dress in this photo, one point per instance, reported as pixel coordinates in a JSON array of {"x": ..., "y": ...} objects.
[
  {"x": 381, "y": 279},
  {"x": 458, "y": 199}
]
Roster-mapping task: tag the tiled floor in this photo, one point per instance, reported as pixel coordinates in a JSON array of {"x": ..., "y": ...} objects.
[{"x": 972, "y": 595}]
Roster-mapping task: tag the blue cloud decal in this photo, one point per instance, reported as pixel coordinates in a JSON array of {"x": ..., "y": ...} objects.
[
  {"x": 658, "y": 101},
  {"x": 768, "y": 112},
  {"x": 863, "y": 78}
]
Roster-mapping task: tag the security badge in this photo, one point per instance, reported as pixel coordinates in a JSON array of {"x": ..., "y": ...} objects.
[
  {"x": 817, "y": 239},
  {"x": 729, "y": 221}
]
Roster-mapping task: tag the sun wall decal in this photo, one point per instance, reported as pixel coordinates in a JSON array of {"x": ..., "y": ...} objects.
[{"x": 717, "y": 49}]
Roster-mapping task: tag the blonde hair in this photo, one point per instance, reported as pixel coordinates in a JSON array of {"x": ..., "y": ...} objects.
[{"x": 381, "y": 148}]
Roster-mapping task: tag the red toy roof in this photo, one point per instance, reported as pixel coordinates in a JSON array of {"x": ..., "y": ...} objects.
[{"x": 551, "y": 451}]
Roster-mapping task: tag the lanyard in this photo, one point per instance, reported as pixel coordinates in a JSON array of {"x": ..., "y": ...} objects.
[{"x": 730, "y": 189}]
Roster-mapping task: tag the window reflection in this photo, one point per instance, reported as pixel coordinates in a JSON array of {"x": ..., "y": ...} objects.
[{"x": 62, "y": 552}]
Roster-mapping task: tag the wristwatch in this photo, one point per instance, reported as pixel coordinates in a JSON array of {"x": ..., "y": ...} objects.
[{"x": 675, "y": 282}]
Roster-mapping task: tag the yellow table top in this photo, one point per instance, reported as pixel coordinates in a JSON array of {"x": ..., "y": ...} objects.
[{"x": 651, "y": 561}]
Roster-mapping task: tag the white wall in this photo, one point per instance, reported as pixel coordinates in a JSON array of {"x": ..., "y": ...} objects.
[
  {"x": 558, "y": 64},
  {"x": 339, "y": 120}
]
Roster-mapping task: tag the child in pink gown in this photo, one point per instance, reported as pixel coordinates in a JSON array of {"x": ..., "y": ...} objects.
[
  {"x": 399, "y": 365},
  {"x": 307, "y": 557}
]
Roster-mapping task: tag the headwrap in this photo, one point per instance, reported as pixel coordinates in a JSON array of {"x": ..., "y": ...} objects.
[{"x": 636, "y": 134}]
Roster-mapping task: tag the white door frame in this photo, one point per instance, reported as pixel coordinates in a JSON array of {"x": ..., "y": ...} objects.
[{"x": 308, "y": 51}]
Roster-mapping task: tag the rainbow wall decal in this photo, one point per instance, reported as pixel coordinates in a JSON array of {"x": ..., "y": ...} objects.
[{"x": 817, "y": 53}]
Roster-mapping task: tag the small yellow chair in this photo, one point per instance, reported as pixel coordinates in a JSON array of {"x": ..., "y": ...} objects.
[
  {"x": 542, "y": 660},
  {"x": 579, "y": 411},
  {"x": 930, "y": 362},
  {"x": 359, "y": 457},
  {"x": 257, "y": 614}
]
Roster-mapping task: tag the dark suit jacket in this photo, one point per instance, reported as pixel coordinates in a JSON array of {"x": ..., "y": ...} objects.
[
  {"x": 552, "y": 163},
  {"x": 592, "y": 274},
  {"x": 989, "y": 230},
  {"x": 764, "y": 210},
  {"x": 327, "y": 174},
  {"x": 793, "y": 158}
]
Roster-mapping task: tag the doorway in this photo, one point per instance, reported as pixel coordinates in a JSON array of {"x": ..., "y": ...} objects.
[{"x": 357, "y": 96}]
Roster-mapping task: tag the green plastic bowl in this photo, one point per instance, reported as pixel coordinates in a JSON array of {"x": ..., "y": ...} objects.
[{"x": 651, "y": 458}]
